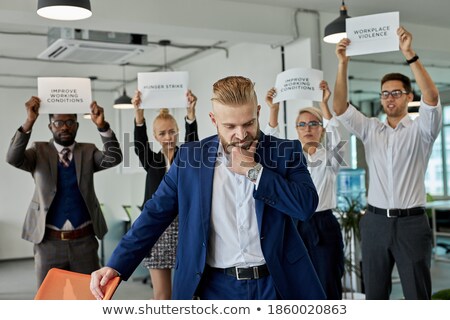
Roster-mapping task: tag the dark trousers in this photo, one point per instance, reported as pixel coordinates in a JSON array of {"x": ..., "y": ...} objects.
[
  {"x": 323, "y": 238},
  {"x": 79, "y": 255},
  {"x": 405, "y": 241},
  {"x": 219, "y": 286}
]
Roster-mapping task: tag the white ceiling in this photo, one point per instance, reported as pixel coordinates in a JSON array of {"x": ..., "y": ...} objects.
[{"x": 198, "y": 23}]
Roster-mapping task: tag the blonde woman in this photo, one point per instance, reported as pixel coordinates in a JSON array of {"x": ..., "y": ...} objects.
[
  {"x": 321, "y": 233},
  {"x": 161, "y": 258}
]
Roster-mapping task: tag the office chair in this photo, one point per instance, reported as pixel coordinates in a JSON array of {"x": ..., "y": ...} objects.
[{"x": 68, "y": 285}]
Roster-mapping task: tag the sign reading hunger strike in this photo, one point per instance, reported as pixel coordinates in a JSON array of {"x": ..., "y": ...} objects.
[
  {"x": 163, "y": 89},
  {"x": 372, "y": 34},
  {"x": 64, "y": 95},
  {"x": 299, "y": 83}
]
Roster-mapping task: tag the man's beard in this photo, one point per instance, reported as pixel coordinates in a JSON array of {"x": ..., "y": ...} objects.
[
  {"x": 66, "y": 142},
  {"x": 244, "y": 144}
]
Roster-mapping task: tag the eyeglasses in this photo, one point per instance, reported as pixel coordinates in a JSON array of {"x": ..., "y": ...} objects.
[
  {"x": 394, "y": 93},
  {"x": 312, "y": 124},
  {"x": 60, "y": 123}
]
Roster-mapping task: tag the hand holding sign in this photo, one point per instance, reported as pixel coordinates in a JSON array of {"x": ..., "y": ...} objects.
[
  {"x": 97, "y": 115},
  {"x": 326, "y": 91},
  {"x": 138, "y": 112},
  {"x": 192, "y": 102},
  {"x": 405, "y": 40},
  {"x": 32, "y": 107}
]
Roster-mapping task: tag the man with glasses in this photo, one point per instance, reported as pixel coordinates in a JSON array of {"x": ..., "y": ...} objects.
[
  {"x": 395, "y": 228},
  {"x": 64, "y": 216}
]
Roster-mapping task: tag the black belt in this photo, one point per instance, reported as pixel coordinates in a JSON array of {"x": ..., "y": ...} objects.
[
  {"x": 397, "y": 213},
  {"x": 250, "y": 273}
]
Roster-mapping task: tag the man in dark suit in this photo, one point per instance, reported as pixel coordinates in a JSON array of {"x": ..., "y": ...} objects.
[
  {"x": 64, "y": 215},
  {"x": 237, "y": 195}
]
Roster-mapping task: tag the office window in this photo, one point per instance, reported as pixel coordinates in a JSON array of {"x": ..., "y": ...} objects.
[
  {"x": 437, "y": 177},
  {"x": 434, "y": 177}
]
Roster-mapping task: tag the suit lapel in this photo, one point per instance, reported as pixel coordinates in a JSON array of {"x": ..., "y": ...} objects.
[
  {"x": 53, "y": 159},
  {"x": 208, "y": 156},
  {"x": 262, "y": 158},
  {"x": 77, "y": 158}
]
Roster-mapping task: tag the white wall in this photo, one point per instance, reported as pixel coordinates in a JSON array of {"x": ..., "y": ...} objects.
[{"x": 116, "y": 186}]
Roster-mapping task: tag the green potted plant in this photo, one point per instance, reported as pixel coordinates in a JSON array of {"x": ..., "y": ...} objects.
[{"x": 349, "y": 217}]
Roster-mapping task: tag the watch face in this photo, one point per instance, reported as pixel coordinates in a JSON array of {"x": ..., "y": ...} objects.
[{"x": 251, "y": 174}]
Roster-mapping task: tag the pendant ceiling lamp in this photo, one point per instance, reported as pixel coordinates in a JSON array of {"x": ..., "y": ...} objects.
[
  {"x": 124, "y": 101},
  {"x": 335, "y": 30},
  {"x": 64, "y": 9}
]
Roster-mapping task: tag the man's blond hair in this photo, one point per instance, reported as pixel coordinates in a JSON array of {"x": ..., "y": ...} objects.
[{"x": 234, "y": 90}]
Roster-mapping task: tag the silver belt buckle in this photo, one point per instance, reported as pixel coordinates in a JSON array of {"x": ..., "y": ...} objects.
[
  {"x": 389, "y": 214},
  {"x": 238, "y": 277},
  {"x": 255, "y": 273}
]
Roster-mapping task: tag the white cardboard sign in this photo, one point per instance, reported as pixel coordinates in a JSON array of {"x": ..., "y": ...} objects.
[
  {"x": 373, "y": 33},
  {"x": 64, "y": 95},
  {"x": 299, "y": 83},
  {"x": 163, "y": 89}
]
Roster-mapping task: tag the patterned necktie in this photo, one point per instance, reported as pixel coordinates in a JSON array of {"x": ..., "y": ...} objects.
[{"x": 65, "y": 157}]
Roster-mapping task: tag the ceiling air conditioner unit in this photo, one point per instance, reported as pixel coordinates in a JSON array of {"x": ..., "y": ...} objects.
[{"x": 87, "y": 46}]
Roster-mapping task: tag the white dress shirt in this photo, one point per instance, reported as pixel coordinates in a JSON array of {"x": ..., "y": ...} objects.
[
  {"x": 322, "y": 173},
  {"x": 234, "y": 237},
  {"x": 397, "y": 158}
]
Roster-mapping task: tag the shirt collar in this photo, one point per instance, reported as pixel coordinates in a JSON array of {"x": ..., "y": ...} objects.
[
  {"x": 221, "y": 155},
  {"x": 60, "y": 147},
  {"x": 405, "y": 122}
]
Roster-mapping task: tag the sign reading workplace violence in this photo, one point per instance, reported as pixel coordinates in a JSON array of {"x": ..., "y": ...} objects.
[
  {"x": 299, "y": 83},
  {"x": 373, "y": 34},
  {"x": 163, "y": 89},
  {"x": 64, "y": 95}
]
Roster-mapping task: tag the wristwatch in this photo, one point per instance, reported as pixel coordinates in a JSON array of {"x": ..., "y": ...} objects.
[{"x": 253, "y": 173}]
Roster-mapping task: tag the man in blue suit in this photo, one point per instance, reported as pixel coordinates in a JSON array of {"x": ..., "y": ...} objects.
[{"x": 237, "y": 195}]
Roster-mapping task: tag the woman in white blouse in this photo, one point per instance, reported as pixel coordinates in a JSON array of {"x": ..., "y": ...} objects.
[{"x": 317, "y": 131}]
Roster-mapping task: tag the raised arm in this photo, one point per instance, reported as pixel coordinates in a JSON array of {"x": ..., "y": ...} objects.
[
  {"x": 142, "y": 147},
  {"x": 325, "y": 97},
  {"x": 273, "y": 107},
  {"x": 340, "y": 96},
  {"x": 32, "y": 107},
  {"x": 138, "y": 112},
  {"x": 191, "y": 129},
  {"x": 426, "y": 85},
  {"x": 17, "y": 155},
  {"x": 111, "y": 155}
]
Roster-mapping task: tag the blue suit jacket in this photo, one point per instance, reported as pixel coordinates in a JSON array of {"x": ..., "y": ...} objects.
[{"x": 285, "y": 192}]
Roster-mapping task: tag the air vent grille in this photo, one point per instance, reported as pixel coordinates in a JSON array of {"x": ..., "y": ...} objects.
[{"x": 91, "y": 51}]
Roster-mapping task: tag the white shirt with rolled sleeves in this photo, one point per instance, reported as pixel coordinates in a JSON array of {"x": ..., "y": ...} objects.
[
  {"x": 322, "y": 166},
  {"x": 397, "y": 158}
]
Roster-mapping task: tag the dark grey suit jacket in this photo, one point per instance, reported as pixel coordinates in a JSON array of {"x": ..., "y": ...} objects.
[{"x": 41, "y": 160}]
